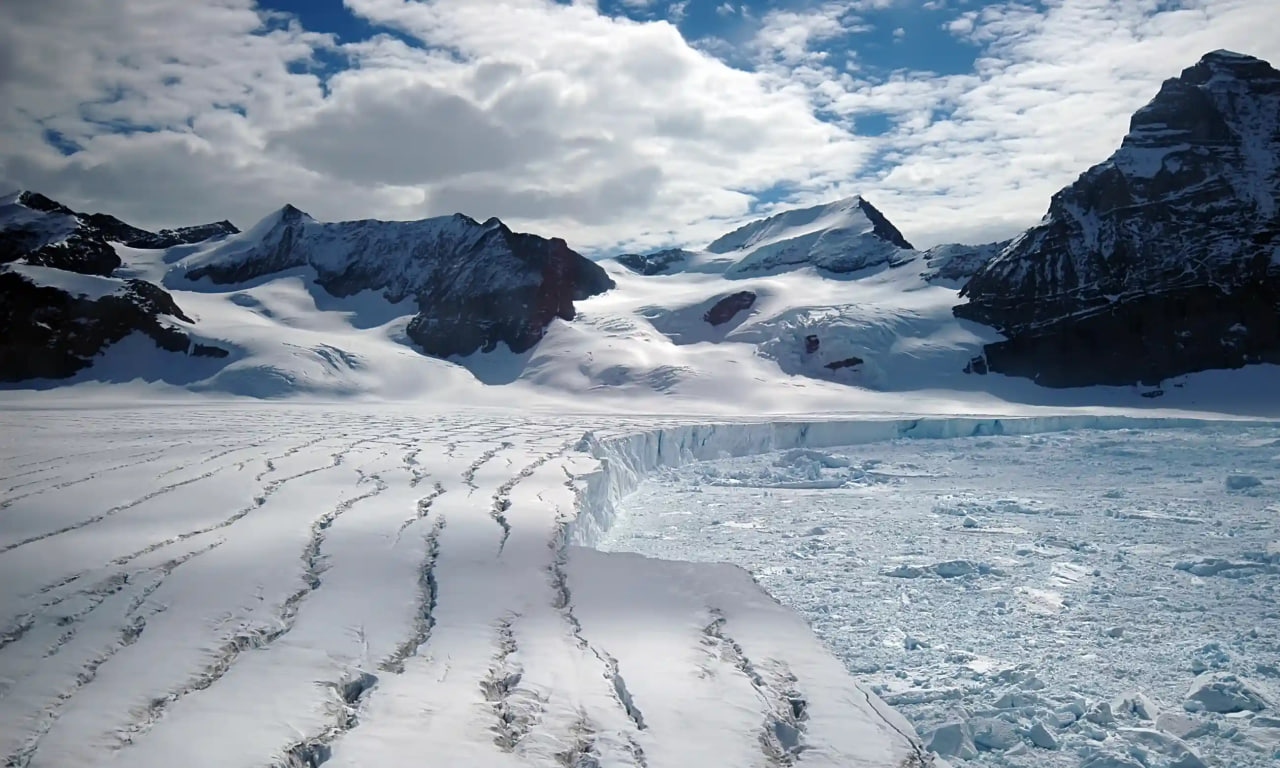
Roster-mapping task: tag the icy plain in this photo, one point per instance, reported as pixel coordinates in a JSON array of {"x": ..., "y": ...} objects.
[
  {"x": 274, "y": 585},
  {"x": 1102, "y": 599}
]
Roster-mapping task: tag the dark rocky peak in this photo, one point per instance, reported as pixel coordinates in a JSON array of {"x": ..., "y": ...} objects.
[
  {"x": 38, "y": 202},
  {"x": 37, "y": 230},
  {"x": 882, "y": 227},
  {"x": 475, "y": 284},
  {"x": 196, "y": 234},
  {"x": 1162, "y": 260},
  {"x": 657, "y": 263},
  {"x": 1230, "y": 64},
  {"x": 289, "y": 214}
]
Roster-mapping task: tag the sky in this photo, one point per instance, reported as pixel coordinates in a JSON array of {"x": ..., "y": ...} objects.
[{"x": 616, "y": 124}]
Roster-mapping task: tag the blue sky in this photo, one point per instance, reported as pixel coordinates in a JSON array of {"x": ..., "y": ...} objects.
[
  {"x": 594, "y": 120},
  {"x": 898, "y": 36}
]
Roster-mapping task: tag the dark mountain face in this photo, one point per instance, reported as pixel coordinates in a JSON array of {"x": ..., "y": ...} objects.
[
  {"x": 39, "y": 231},
  {"x": 475, "y": 284},
  {"x": 656, "y": 263},
  {"x": 1161, "y": 261},
  {"x": 46, "y": 332}
]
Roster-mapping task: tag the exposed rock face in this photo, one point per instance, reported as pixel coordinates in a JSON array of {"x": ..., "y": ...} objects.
[
  {"x": 476, "y": 284},
  {"x": 656, "y": 263},
  {"x": 47, "y": 328},
  {"x": 46, "y": 332},
  {"x": 841, "y": 237},
  {"x": 957, "y": 263},
  {"x": 126, "y": 234},
  {"x": 724, "y": 310},
  {"x": 39, "y": 231},
  {"x": 1161, "y": 261},
  {"x": 847, "y": 362}
]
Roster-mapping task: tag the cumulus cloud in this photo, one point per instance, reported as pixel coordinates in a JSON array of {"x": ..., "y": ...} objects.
[{"x": 564, "y": 121}]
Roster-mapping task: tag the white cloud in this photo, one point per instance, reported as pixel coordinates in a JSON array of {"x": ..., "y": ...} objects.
[
  {"x": 977, "y": 156},
  {"x": 603, "y": 130},
  {"x": 726, "y": 9}
]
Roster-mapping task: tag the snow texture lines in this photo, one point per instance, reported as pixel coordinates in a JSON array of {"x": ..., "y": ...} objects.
[
  {"x": 313, "y": 567},
  {"x": 112, "y": 511},
  {"x": 130, "y": 628},
  {"x": 424, "y": 618},
  {"x": 516, "y": 710},
  {"x": 782, "y": 733}
]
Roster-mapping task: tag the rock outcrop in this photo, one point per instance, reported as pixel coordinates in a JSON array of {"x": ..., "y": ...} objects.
[
  {"x": 725, "y": 309},
  {"x": 656, "y": 263},
  {"x": 476, "y": 284},
  {"x": 42, "y": 232},
  {"x": 1161, "y": 261},
  {"x": 51, "y": 333}
]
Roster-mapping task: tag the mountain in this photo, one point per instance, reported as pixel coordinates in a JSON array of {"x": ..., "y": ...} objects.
[
  {"x": 475, "y": 284},
  {"x": 840, "y": 237},
  {"x": 60, "y": 306},
  {"x": 954, "y": 262},
  {"x": 54, "y": 323},
  {"x": 39, "y": 231},
  {"x": 1160, "y": 261}
]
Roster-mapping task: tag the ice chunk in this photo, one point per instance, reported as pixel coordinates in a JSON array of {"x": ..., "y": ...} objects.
[
  {"x": 1136, "y": 704},
  {"x": 1242, "y": 482},
  {"x": 1041, "y": 737},
  {"x": 1225, "y": 693},
  {"x": 1180, "y": 755},
  {"x": 1100, "y": 714},
  {"x": 953, "y": 740},
  {"x": 1182, "y": 726},
  {"x": 993, "y": 734}
]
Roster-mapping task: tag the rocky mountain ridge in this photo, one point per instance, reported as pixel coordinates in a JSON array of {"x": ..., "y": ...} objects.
[
  {"x": 1160, "y": 261},
  {"x": 475, "y": 284}
]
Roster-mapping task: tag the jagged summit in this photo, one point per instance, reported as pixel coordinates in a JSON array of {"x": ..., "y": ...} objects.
[
  {"x": 37, "y": 230},
  {"x": 1162, "y": 260},
  {"x": 475, "y": 284},
  {"x": 837, "y": 238},
  {"x": 826, "y": 216}
]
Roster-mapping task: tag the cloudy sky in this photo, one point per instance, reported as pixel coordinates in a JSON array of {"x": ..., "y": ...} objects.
[{"x": 614, "y": 123}]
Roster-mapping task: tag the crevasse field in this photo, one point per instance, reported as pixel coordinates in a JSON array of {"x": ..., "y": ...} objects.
[
  {"x": 1087, "y": 597},
  {"x": 297, "y": 585}
]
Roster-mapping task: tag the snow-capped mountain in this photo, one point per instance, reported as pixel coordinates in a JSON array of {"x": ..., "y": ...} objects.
[
  {"x": 39, "y": 231},
  {"x": 64, "y": 297},
  {"x": 836, "y": 238},
  {"x": 1162, "y": 260},
  {"x": 475, "y": 284},
  {"x": 824, "y": 303}
]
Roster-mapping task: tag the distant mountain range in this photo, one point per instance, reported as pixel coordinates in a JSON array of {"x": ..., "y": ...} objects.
[{"x": 1161, "y": 261}]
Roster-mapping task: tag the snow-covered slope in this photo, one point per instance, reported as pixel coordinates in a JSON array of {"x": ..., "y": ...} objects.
[
  {"x": 1165, "y": 258},
  {"x": 475, "y": 284},
  {"x": 39, "y": 231},
  {"x": 839, "y": 238}
]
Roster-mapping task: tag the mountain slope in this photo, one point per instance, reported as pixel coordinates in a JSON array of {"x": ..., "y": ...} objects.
[
  {"x": 840, "y": 237},
  {"x": 1162, "y": 260},
  {"x": 60, "y": 305},
  {"x": 39, "y": 231},
  {"x": 475, "y": 284}
]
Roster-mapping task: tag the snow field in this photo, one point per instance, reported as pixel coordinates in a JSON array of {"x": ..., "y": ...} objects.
[{"x": 282, "y": 586}]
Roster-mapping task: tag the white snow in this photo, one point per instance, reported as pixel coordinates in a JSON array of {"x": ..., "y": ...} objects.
[{"x": 92, "y": 287}]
